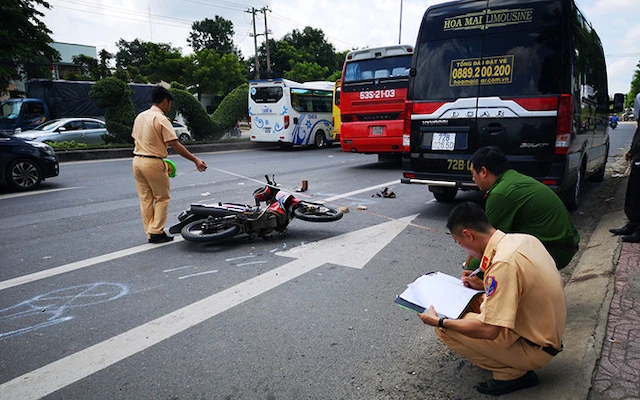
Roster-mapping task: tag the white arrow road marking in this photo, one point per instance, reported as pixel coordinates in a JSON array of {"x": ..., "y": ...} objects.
[
  {"x": 351, "y": 249},
  {"x": 342, "y": 250}
]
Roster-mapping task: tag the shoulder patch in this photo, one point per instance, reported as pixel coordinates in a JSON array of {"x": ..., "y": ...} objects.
[{"x": 491, "y": 286}]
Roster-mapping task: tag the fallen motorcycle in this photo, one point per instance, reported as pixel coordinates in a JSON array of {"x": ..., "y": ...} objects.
[{"x": 223, "y": 221}]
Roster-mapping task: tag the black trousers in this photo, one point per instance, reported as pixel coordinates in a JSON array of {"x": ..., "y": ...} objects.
[{"x": 632, "y": 198}]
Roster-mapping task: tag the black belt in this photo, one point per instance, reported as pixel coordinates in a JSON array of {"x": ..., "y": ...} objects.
[
  {"x": 547, "y": 349},
  {"x": 147, "y": 156}
]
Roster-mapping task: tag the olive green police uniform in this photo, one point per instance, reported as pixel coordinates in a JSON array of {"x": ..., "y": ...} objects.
[{"x": 517, "y": 203}]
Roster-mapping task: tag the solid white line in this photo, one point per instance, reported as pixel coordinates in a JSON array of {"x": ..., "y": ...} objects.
[
  {"x": 198, "y": 274},
  {"x": 341, "y": 196},
  {"x": 46, "y": 380},
  {"x": 251, "y": 263},
  {"x": 178, "y": 268},
  {"x": 34, "y": 192},
  {"x": 21, "y": 280},
  {"x": 138, "y": 249}
]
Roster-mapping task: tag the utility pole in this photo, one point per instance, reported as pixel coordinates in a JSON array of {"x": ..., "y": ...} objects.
[
  {"x": 255, "y": 41},
  {"x": 400, "y": 29},
  {"x": 266, "y": 39}
]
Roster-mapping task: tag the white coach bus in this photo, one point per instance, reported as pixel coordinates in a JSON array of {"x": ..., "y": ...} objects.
[{"x": 291, "y": 113}]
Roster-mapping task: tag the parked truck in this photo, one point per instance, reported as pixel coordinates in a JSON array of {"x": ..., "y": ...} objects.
[{"x": 51, "y": 99}]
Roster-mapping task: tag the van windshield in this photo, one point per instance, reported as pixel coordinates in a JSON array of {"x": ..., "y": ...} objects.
[
  {"x": 512, "y": 52},
  {"x": 10, "y": 109}
]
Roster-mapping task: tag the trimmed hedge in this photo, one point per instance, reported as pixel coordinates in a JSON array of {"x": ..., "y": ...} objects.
[
  {"x": 232, "y": 109},
  {"x": 115, "y": 95}
]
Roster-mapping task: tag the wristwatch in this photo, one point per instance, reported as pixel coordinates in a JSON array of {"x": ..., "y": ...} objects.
[{"x": 441, "y": 322}]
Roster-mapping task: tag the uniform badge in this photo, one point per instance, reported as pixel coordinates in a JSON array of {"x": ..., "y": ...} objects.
[
  {"x": 486, "y": 261},
  {"x": 491, "y": 286}
]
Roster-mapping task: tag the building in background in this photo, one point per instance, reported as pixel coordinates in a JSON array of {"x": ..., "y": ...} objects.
[{"x": 67, "y": 52}]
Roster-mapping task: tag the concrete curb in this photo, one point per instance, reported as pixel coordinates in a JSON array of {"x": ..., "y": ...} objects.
[
  {"x": 103, "y": 154},
  {"x": 588, "y": 294}
]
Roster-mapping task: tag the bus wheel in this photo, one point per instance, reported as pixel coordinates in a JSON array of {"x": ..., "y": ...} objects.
[{"x": 319, "y": 140}]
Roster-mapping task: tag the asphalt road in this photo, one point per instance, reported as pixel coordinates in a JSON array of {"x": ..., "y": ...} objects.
[{"x": 88, "y": 309}]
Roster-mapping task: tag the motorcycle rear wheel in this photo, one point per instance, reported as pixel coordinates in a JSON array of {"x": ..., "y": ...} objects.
[
  {"x": 315, "y": 212},
  {"x": 195, "y": 231}
]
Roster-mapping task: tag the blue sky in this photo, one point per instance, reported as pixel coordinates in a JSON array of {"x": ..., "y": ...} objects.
[{"x": 346, "y": 24}]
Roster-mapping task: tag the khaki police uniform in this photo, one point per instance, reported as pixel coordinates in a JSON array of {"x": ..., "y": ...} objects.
[
  {"x": 524, "y": 295},
  {"x": 152, "y": 130}
]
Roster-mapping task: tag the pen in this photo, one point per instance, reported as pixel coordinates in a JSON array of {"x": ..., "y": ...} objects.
[{"x": 474, "y": 273}]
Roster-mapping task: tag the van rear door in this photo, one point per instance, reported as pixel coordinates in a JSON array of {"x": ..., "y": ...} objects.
[{"x": 486, "y": 73}]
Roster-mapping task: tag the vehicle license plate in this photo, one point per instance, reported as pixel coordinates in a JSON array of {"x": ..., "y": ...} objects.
[
  {"x": 377, "y": 130},
  {"x": 443, "y": 141},
  {"x": 267, "y": 130}
]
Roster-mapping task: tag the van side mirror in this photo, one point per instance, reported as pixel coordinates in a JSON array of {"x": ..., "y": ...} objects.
[
  {"x": 618, "y": 102},
  {"x": 412, "y": 72}
]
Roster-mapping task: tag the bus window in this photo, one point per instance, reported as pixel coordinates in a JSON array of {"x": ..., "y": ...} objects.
[{"x": 271, "y": 94}]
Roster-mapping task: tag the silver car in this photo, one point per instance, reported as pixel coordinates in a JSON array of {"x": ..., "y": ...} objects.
[{"x": 79, "y": 130}]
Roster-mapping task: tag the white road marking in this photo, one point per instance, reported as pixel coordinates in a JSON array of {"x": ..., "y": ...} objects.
[
  {"x": 138, "y": 249},
  {"x": 21, "y": 280},
  {"x": 339, "y": 250},
  {"x": 251, "y": 263},
  {"x": 35, "y": 192},
  {"x": 198, "y": 274},
  {"x": 355, "y": 192}
]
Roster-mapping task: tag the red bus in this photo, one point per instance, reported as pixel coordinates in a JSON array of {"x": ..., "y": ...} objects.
[{"x": 374, "y": 88}]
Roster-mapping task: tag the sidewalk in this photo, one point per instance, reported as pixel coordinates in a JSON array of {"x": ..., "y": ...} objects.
[{"x": 601, "y": 357}]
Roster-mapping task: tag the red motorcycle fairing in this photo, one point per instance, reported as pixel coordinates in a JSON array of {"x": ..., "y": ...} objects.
[{"x": 284, "y": 201}]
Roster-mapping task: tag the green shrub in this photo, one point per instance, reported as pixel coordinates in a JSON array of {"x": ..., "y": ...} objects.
[
  {"x": 115, "y": 95},
  {"x": 232, "y": 109},
  {"x": 195, "y": 116}
]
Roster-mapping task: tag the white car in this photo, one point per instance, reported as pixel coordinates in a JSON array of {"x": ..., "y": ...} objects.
[
  {"x": 182, "y": 132},
  {"x": 79, "y": 130}
]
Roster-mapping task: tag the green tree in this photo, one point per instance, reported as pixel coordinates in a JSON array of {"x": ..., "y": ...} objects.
[
  {"x": 297, "y": 51},
  {"x": 25, "y": 41},
  {"x": 88, "y": 66},
  {"x": 147, "y": 61},
  {"x": 213, "y": 34},
  {"x": 215, "y": 73},
  {"x": 306, "y": 71},
  {"x": 635, "y": 87}
]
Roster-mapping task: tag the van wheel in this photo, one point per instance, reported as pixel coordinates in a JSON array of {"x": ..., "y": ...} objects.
[
  {"x": 572, "y": 195},
  {"x": 445, "y": 195},
  {"x": 319, "y": 140}
]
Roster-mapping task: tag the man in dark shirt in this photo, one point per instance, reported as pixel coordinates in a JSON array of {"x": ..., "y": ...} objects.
[
  {"x": 632, "y": 198},
  {"x": 516, "y": 203}
]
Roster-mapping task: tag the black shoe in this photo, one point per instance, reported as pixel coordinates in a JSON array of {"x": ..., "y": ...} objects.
[
  {"x": 497, "y": 388},
  {"x": 160, "y": 238},
  {"x": 632, "y": 238},
  {"x": 628, "y": 229}
]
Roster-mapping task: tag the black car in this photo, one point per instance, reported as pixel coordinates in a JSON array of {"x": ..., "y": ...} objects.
[{"x": 24, "y": 164}]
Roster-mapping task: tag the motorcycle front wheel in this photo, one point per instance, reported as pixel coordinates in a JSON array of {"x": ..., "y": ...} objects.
[
  {"x": 202, "y": 231},
  {"x": 315, "y": 212}
]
